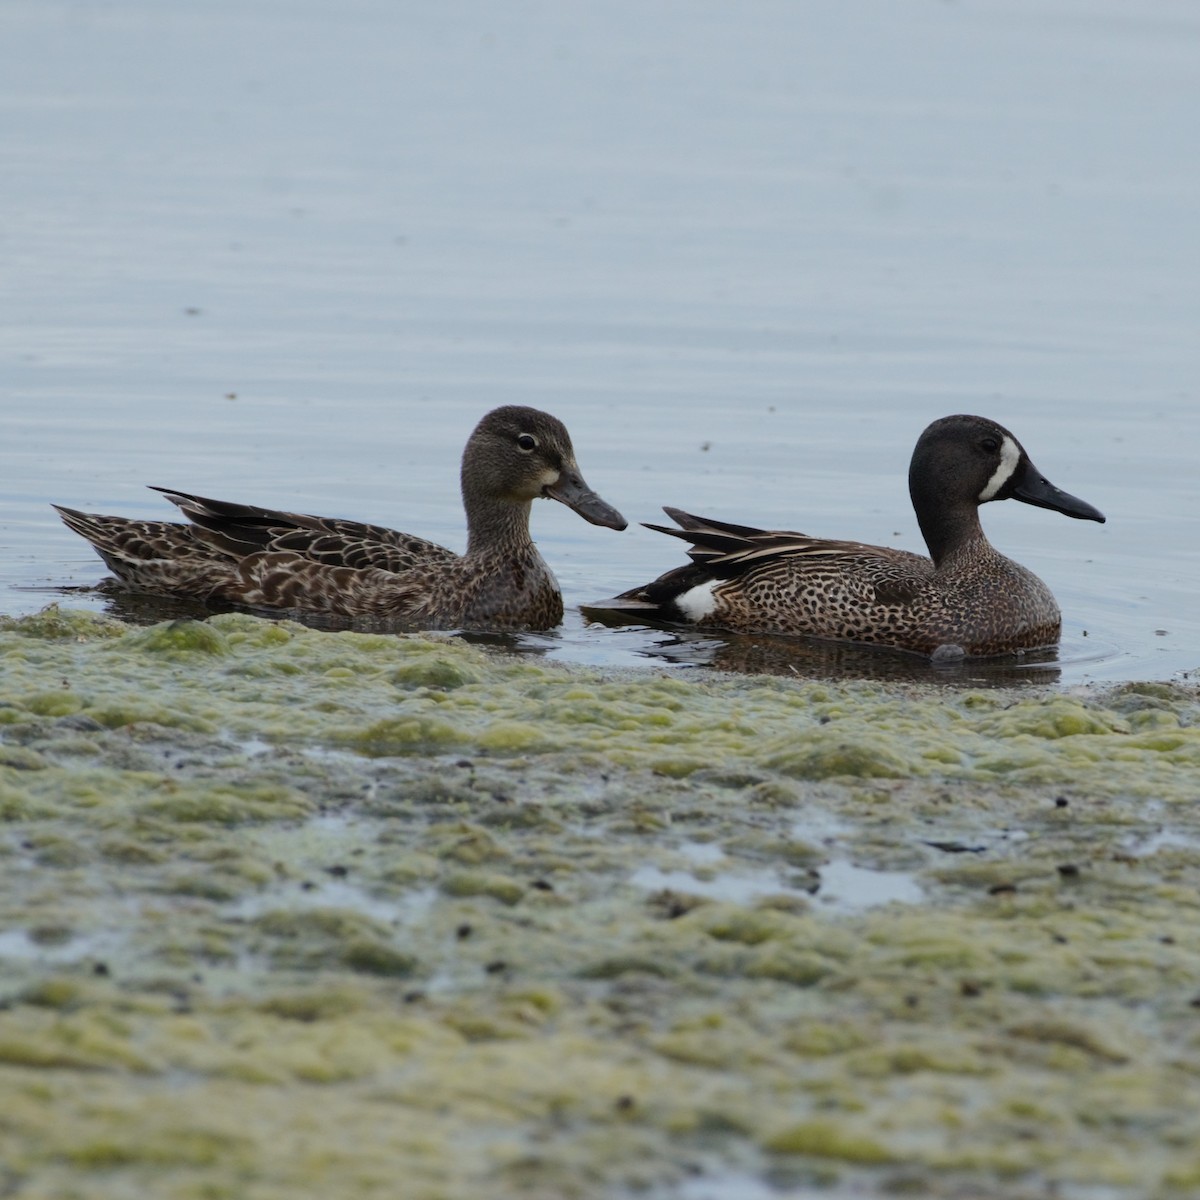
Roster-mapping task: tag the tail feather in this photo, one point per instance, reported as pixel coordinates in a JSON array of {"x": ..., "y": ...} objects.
[
  {"x": 151, "y": 556},
  {"x": 127, "y": 539},
  {"x": 235, "y": 529},
  {"x": 714, "y": 541},
  {"x": 87, "y": 525},
  {"x": 694, "y": 524},
  {"x": 656, "y": 600},
  {"x": 719, "y": 551},
  {"x": 705, "y": 545}
]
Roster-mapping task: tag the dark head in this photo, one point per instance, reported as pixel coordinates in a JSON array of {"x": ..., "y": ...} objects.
[
  {"x": 518, "y": 454},
  {"x": 962, "y": 462}
]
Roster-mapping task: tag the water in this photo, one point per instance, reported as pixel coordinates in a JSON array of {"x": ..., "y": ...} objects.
[
  {"x": 836, "y": 883},
  {"x": 290, "y": 254},
  {"x": 843, "y": 886}
]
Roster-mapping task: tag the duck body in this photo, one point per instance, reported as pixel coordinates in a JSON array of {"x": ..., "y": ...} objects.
[
  {"x": 966, "y": 598},
  {"x": 268, "y": 559}
]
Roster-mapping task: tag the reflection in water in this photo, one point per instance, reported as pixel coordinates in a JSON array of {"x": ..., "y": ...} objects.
[
  {"x": 814, "y": 658},
  {"x": 625, "y": 644},
  {"x": 141, "y": 608},
  {"x": 532, "y": 645},
  {"x": 837, "y": 885},
  {"x": 144, "y": 608}
]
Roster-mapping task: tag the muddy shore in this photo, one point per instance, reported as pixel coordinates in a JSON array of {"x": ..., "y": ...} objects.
[{"x": 289, "y": 913}]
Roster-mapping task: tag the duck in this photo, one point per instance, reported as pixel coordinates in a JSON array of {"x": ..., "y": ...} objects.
[
  {"x": 264, "y": 559},
  {"x": 965, "y": 599}
]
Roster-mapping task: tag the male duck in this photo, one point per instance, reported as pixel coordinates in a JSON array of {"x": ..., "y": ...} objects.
[
  {"x": 966, "y": 599},
  {"x": 261, "y": 558}
]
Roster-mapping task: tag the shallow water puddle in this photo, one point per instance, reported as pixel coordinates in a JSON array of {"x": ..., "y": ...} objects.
[
  {"x": 734, "y": 1186},
  {"x": 51, "y": 949},
  {"x": 850, "y": 888},
  {"x": 838, "y": 884},
  {"x": 1145, "y": 845},
  {"x": 297, "y": 897}
]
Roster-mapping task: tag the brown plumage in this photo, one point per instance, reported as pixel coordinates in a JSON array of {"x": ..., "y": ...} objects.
[
  {"x": 261, "y": 558},
  {"x": 967, "y": 598}
]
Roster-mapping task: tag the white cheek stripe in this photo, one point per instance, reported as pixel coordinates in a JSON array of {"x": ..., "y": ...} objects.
[
  {"x": 1010, "y": 455},
  {"x": 698, "y": 602}
]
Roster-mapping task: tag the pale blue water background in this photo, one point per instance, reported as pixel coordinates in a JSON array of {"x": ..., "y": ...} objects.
[{"x": 288, "y": 253}]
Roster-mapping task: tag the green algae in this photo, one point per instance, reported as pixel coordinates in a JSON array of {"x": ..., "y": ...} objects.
[
  {"x": 289, "y": 913},
  {"x": 323, "y": 938},
  {"x": 827, "y": 1139},
  {"x": 391, "y": 696},
  {"x": 229, "y": 804},
  {"x": 178, "y": 639},
  {"x": 482, "y": 883},
  {"x": 56, "y": 623},
  {"x": 824, "y": 754}
]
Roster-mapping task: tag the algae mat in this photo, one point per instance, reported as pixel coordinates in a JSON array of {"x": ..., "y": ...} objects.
[{"x": 287, "y": 913}]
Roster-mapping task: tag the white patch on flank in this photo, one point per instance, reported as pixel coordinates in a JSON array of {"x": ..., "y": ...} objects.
[
  {"x": 1010, "y": 455},
  {"x": 698, "y": 602}
]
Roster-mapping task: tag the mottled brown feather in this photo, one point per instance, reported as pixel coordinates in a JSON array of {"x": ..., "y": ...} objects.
[
  {"x": 966, "y": 596},
  {"x": 269, "y": 559}
]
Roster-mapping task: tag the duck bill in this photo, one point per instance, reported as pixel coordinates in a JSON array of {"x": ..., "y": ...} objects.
[
  {"x": 1031, "y": 487},
  {"x": 571, "y": 489}
]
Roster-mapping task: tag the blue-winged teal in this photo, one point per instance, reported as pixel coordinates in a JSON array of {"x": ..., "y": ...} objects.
[
  {"x": 966, "y": 599},
  {"x": 261, "y": 558}
]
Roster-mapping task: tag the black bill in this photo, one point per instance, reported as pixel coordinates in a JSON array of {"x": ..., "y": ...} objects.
[
  {"x": 571, "y": 489},
  {"x": 1030, "y": 486}
]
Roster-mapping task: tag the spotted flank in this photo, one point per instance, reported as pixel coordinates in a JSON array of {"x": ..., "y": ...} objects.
[
  {"x": 965, "y": 599},
  {"x": 265, "y": 559}
]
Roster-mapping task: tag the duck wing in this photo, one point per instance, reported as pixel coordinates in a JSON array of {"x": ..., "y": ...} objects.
[
  {"x": 727, "y": 551},
  {"x": 281, "y": 579},
  {"x": 239, "y": 530},
  {"x": 740, "y": 560}
]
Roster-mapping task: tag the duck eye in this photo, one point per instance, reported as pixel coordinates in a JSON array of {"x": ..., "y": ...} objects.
[
  {"x": 990, "y": 444},
  {"x": 527, "y": 442}
]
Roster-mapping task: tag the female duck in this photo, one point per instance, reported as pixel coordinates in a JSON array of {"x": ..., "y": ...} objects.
[
  {"x": 966, "y": 598},
  {"x": 260, "y": 558}
]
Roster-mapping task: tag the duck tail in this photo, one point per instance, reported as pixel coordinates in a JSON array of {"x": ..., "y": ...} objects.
[
  {"x": 147, "y": 555},
  {"x": 684, "y": 594}
]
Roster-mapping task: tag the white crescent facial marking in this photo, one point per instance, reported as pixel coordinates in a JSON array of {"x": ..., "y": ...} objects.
[
  {"x": 1010, "y": 455},
  {"x": 698, "y": 602}
]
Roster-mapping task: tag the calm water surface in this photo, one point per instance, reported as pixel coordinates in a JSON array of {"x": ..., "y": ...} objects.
[{"x": 290, "y": 254}]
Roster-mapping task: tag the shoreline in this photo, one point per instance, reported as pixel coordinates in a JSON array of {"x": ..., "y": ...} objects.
[{"x": 291, "y": 912}]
